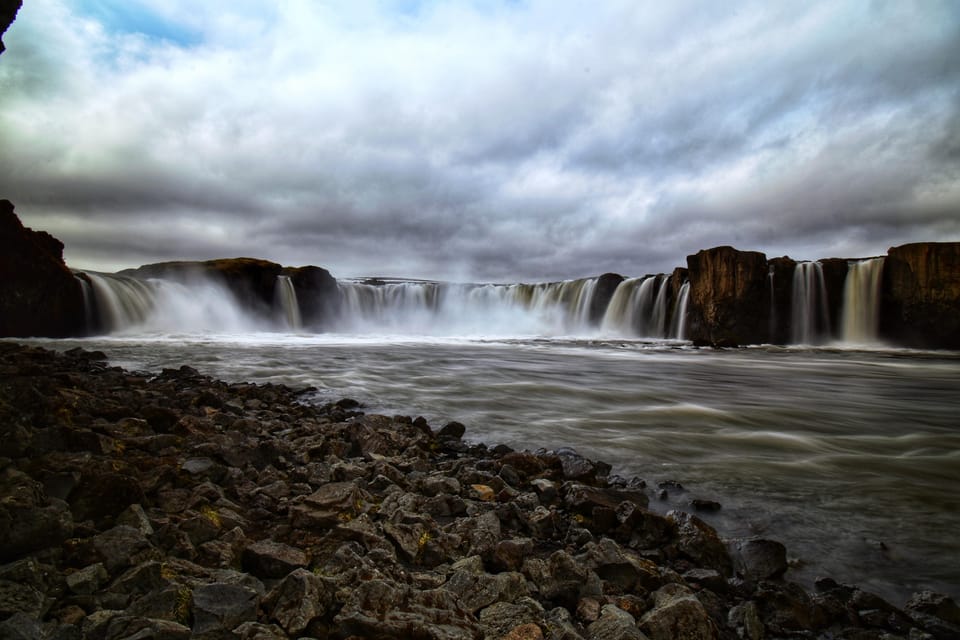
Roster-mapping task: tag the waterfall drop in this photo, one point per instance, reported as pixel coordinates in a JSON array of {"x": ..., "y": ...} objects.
[
  {"x": 810, "y": 313},
  {"x": 678, "y": 329},
  {"x": 286, "y": 296},
  {"x": 861, "y": 301}
]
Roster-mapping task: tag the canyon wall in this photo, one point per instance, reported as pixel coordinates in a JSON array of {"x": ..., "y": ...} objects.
[{"x": 921, "y": 295}]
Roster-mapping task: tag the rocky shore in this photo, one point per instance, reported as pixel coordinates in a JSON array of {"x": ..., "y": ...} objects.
[{"x": 172, "y": 505}]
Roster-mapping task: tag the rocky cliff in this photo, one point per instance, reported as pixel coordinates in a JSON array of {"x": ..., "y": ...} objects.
[
  {"x": 39, "y": 296},
  {"x": 921, "y": 295},
  {"x": 8, "y": 12},
  {"x": 729, "y": 297}
]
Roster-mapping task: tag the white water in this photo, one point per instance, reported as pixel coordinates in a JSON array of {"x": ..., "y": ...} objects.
[
  {"x": 851, "y": 458},
  {"x": 678, "y": 329},
  {"x": 287, "y": 301},
  {"x": 810, "y": 315},
  {"x": 640, "y": 308},
  {"x": 861, "y": 301}
]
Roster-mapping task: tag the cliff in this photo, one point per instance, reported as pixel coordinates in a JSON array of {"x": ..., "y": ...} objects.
[
  {"x": 921, "y": 295},
  {"x": 729, "y": 297},
  {"x": 8, "y": 12},
  {"x": 39, "y": 296}
]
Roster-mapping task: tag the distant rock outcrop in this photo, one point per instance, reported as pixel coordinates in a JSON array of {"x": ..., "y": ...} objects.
[
  {"x": 729, "y": 297},
  {"x": 317, "y": 294},
  {"x": 8, "y": 12},
  {"x": 39, "y": 296},
  {"x": 921, "y": 295}
]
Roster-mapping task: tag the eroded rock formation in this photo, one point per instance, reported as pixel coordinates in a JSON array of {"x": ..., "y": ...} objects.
[
  {"x": 39, "y": 296},
  {"x": 921, "y": 295},
  {"x": 729, "y": 297}
]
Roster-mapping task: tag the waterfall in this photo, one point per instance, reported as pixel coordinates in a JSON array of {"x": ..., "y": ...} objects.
[
  {"x": 432, "y": 308},
  {"x": 286, "y": 296},
  {"x": 810, "y": 315},
  {"x": 861, "y": 301},
  {"x": 639, "y": 307},
  {"x": 678, "y": 327},
  {"x": 122, "y": 303}
]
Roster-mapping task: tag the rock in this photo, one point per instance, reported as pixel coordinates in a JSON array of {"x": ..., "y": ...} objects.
[
  {"x": 270, "y": 559},
  {"x": 527, "y": 631},
  {"x": 129, "y": 628},
  {"x": 561, "y": 578},
  {"x": 477, "y": 590},
  {"x": 935, "y": 604},
  {"x": 745, "y": 619},
  {"x": 222, "y": 607},
  {"x": 502, "y": 618},
  {"x": 21, "y": 626},
  {"x": 29, "y": 521},
  {"x": 330, "y": 505},
  {"x": 729, "y": 297},
  {"x": 17, "y": 598},
  {"x": 87, "y": 580},
  {"x": 259, "y": 631},
  {"x": 376, "y": 608},
  {"x": 300, "y": 599},
  {"x": 921, "y": 295},
  {"x": 39, "y": 295},
  {"x": 451, "y": 430},
  {"x": 700, "y": 542},
  {"x": 677, "y": 615},
  {"x": 758, "y": 559},
  {"x": 620, "y": 568},
  {"x": 317, "y": 294},
  {"x": 121, "y": 547},
  {"x": 614, "y": 624},
  {"x": 8, "y": 12}
]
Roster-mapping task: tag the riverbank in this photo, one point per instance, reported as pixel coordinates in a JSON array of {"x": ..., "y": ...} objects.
[{"x": 169, "y": 504}]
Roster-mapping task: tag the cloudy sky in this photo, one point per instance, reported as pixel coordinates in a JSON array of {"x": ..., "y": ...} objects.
[{"x": 481, "y": 139}]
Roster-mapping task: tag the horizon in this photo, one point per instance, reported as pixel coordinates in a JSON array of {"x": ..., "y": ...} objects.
[{"x": 506, "y": 141}]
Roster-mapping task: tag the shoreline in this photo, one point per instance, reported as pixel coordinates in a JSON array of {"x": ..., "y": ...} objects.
[{"x": 174, "y": 503}]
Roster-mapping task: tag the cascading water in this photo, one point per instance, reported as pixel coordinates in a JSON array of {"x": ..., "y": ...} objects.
[
  {"x": 810, "y": 315},
  {"x": 861, "y": 301},
  {"x": 286, "y": 296},
  {"x": 678, "y": 328},
  {"x": 431, "y": 308},
  {"x": 122, "y": 303},
  {"x": 640, "y": 307}
]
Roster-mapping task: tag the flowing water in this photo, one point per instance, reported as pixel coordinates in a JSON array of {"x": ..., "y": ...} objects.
[{"x": 849, "y": 457}]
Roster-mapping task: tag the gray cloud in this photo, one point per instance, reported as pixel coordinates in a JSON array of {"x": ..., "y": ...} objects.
[{"x": 501, "y": 141}]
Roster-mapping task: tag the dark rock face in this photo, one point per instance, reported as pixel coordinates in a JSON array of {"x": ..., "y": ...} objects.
[
  {"x": 39, "y": 296},
  {"x": 317, "y": 295},
  {"x": 921, "y": 295},
  {"x": 729, "y": 297},
  {"x": 606, "y": 285},
  {"x": 8, "y": 12},
  {"x": 780, "y": 274}
]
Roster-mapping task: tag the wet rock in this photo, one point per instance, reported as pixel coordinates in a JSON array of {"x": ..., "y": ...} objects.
[
  {"x": 758, "y": 559},
  {"x": 614, "y": 624},
  {"x": 677, "y": 615},
  {"x": 220, "y": 607},
  {"x": 700, "y": 542},
  {"x": 709, "y": 506},
  {"x": 271, "y": 559},
  {"x": 745, "y": 619},
  {"x": 451, "y": 430},
  {"x": 935, "y": 604}
]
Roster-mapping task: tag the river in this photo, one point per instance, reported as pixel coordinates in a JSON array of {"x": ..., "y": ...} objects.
[{"x": 849, "y": 457}]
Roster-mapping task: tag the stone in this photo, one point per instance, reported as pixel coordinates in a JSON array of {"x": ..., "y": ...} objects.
[
  {"x": 700, "y": 542},
  {"x": 300, "y": 599},
  {"x": 223, "y": 607},
  {"x": 121, "y": 547},
  {"x": 529, "y": 631},
  {"x": 29, "y": 521},
  {"x": 621, "y": 568},
  {"x": 259, "y": 631},
  {"x": 935, "y": 604},
  {"x": 677, "y": 615},
  {"x": 561, "y": 578},
  {"x": 271, "y": 559},
  {"x": 758, "y": 559},
  {"x": 87, "y": 580},
  {"x": 21, "y": 626},
  {"x": 614, "y": 624},
  {"x": 501, "y": 618},
  {"x": 746, "y": 620},
  {"x": 920, "y": 299},
  {"x": 127, "y": 628},
  {"x": 18, "y": 598}
]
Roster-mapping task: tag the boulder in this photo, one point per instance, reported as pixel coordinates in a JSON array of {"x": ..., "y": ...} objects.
[
  {"x": 221, "y": 607},
  {"x": 729, "y": 297},
  {"x": 921, "y": 295},
  {"x": 677, "y": 615},
  {"x": 299, "y": 600},
  {"x": 758, "y": 559},
  {"x": 39, "y": 295},
  {"x": 614, "y": 624}
]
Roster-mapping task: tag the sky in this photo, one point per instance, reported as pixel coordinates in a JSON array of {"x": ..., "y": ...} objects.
[{"x": 481, "y": 140}]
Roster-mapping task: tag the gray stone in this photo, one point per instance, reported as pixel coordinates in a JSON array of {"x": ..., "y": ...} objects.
[
  {"x": 700, "y": 542},
  {"x": 270, "y": 559},
  {"x": 21, "y": 598},
  {"x": 758, "y": 559},
  {"x": 299, "y": 599},
  {"x": 561, "y": 578},
  {"x": 478, "y": 590},
  {"x": 677, "y": 615},
  {"x": 137, "y": 628},
  {"x": 134, "y": 516},
  {"x": 87, "y": 580},
  {"x": 20, "y": 626},
  {"x": 746, "y": 620},
  {"x": 614, "y": 624},
  {"x": 221, "y": 606},
  {"x": 121, "y": 547},
  {"x": 259, "y": 631}
]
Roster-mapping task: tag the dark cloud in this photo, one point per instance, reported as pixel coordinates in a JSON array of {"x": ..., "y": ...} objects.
[{"x": 503, "y": 141}]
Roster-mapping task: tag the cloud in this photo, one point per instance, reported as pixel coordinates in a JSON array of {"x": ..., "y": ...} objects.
[{"x": 493, "y": 140}]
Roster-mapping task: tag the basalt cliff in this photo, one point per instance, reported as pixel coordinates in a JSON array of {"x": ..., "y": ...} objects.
[{"x": 723, "y": 297}]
